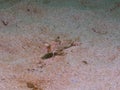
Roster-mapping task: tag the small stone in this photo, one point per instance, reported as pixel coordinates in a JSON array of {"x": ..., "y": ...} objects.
[
  {"x": 85, "y": 62},
  {"x": 30, "y": 85}
]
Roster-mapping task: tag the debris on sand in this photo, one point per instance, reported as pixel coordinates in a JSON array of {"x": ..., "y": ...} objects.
[
  {"x": 59, "y": 50},
  {"x": 5, "y": 23},
  {"x": 31, "y": 85},
  {"x": 48, "y": 55},
  {"x": 85, "y": 62},
  {"x": 52, "y": 54}
]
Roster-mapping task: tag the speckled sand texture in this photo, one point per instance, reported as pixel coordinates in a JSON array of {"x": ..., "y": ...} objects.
[{"x": 92, "y": 64}]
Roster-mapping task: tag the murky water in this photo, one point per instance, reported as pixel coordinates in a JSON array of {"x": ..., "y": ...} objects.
[{"x": 112, "y": 7}]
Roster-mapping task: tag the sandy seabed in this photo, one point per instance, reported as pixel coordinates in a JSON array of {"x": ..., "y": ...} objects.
[{"x": 92, "y": 64}]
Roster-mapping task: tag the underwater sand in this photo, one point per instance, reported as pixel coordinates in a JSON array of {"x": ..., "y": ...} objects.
[{"x": 92, "y": 64}]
